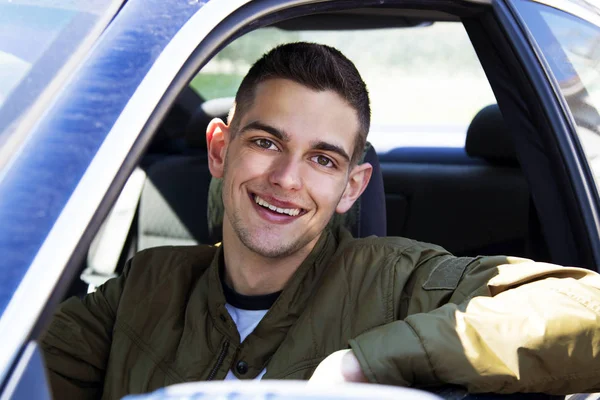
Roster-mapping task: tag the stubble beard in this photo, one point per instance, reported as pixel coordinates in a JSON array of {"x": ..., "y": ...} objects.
[
  {"x": 275, "y": 249},
  {"x": 272, "y": 249}
]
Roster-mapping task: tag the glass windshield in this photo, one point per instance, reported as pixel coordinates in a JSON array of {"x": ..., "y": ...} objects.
[
  {"x": 425, "y": 83},
  {"x": 37, "y": 38}
]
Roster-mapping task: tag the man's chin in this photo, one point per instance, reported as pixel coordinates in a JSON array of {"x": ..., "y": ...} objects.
[
  {"x": 272, "y": 245},
  {"x": 271, "y": 240},
  {"x": 271, "y": 249}
]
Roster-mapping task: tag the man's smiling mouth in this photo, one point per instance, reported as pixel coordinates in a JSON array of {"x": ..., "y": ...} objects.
[{"x": 288, "y": 211}]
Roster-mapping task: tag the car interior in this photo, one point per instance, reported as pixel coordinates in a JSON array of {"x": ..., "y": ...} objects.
[
  {"x": 476, "y": 198},
  {"x": 471, "y": 199}
]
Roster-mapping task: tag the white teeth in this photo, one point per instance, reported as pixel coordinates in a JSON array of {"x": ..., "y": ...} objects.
[{"x": 289, "y": 211}]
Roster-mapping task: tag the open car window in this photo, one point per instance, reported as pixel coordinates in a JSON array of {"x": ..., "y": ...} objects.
[{"x": 424, "y": 82}]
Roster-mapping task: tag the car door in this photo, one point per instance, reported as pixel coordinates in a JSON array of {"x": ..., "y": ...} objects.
[{"x": 77, "y": 150}]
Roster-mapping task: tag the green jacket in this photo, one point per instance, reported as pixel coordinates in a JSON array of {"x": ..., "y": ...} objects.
[{"x": 413, "y": 314}]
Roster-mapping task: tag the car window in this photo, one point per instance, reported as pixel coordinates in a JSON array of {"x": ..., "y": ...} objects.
[
  {"x": 37, "y": 39},
  {"x": 27, "y": 31},
  {"x": 571, "y": 47},
  {"x": 424, "y": 82}
]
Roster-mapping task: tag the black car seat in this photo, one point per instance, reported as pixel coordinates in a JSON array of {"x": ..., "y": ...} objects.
[
  {"x": 488, "y": 138},
  {"x": 472, "y": 201}
]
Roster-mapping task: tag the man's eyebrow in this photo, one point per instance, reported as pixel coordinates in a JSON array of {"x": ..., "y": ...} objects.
[
  {"x": 284, "y": 137},
  {"x": 332, "y": 148},
  {"x": 259, "y": 126}
]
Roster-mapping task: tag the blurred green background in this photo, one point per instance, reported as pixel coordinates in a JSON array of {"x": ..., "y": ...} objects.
[{"x": 425, "y": 75}]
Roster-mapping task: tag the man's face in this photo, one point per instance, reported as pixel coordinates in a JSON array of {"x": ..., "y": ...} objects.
[{"x": 287, "y": 168}]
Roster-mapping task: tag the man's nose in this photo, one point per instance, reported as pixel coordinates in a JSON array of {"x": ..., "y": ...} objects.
[{"x": 286, "y": 173}]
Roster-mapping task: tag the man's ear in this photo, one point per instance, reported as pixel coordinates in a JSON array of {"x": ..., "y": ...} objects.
[
  {"x": 217, "y": 139},
  {"x": 357, "y": 183}
]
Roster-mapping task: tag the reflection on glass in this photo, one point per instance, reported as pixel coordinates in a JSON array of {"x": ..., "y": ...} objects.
[
  {"x": 37, "y": 39},
  {"x": 580, "y": 42},
  {"x": 27, "y": 32},
  {"x": 12, "y": 71},
  {"x": 572, "y": 48}
]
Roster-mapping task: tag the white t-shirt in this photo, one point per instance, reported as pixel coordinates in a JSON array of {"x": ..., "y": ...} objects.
[{"x": 245, "y": 321}]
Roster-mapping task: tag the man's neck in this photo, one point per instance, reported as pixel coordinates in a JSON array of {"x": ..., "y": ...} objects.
[{"x": 249, "y": 273}]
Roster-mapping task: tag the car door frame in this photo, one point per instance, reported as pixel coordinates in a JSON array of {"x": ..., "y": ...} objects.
[
  {"x": 579, "y": 177},
  {"x": 543, "y": 135}
]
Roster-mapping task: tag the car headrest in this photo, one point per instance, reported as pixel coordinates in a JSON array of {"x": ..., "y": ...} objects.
[
  {"x": 489, "y": 138},
  {"x": 195, "y": 130}
]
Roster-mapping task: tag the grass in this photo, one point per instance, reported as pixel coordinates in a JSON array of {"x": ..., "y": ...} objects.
[{"x": 215, "y": 85}]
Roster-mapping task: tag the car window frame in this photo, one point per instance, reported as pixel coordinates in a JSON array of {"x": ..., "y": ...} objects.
[
  {"x": 577, "y": 168},
  {"x": 575, "y": 206}
]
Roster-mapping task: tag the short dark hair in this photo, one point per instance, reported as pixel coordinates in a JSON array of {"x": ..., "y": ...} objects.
[{"x": 315, "y": 66}]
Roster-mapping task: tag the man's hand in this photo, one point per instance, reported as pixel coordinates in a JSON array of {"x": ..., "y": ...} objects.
[{"x": 338, "y": 367}]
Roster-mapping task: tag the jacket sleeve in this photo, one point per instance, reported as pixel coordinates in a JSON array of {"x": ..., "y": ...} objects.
[
  {"x": 491, "y": 324},
  {"x": 77, "y": 343}
]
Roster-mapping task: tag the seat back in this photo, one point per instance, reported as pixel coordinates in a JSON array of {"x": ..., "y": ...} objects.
[
  {"x": 471, "y": 201},
  {"x": 173, "y": 202}
]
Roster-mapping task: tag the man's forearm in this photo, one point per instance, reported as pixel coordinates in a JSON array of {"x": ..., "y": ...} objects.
[{"x": 543, "y": 336}]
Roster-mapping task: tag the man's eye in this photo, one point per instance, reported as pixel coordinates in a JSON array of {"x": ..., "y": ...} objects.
[
  {"x": 323, "y": 161},
  {"x": 265, "y": 144}
]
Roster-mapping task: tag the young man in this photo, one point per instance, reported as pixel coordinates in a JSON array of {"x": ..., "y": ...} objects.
[{"x": 285, "y": 297}]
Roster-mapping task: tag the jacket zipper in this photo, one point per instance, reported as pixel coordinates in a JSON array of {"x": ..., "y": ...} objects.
[{"x": 219, "y": 361}]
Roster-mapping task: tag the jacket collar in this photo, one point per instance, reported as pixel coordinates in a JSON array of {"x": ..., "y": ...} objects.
[{"x": 273, "y": 328}]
